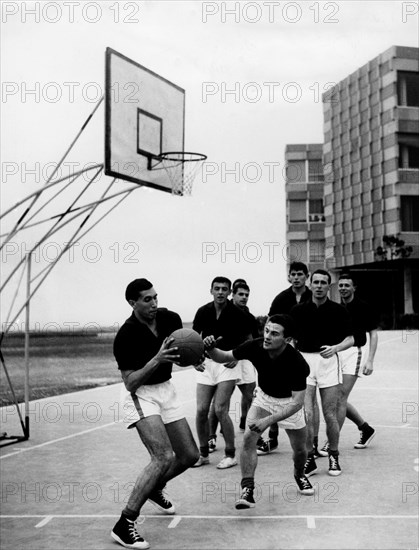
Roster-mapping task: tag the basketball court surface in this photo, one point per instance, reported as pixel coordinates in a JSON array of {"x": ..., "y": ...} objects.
[{"x": 66, "y": 486}]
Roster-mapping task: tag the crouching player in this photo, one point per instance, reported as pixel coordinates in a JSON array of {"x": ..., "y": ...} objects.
[{"x": 279, "y": 397}]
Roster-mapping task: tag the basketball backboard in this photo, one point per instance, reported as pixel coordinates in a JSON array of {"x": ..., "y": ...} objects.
[{"x": 144, "y": 117}]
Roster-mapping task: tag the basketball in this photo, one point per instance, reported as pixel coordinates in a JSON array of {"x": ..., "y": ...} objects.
[{"x": 190, "y": 346}]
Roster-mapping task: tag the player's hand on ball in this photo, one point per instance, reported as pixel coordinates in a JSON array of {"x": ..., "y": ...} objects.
[{"x": 166, "y": 354}]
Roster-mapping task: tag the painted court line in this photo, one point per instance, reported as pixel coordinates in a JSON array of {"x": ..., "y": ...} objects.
[
  {"x": 222, "y": 517},
  {"x": 46, "y": 520},
  {"x": 311, "y": 522},
  {"x": 382, "y": 388},
  {"x": 59, "y": 439},
  {"x": 175, "y": 522}
]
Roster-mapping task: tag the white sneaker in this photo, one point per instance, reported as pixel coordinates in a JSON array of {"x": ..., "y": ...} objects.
[
  {"x": 202, "y": 461},
  {"x": 227, "y": 462}
]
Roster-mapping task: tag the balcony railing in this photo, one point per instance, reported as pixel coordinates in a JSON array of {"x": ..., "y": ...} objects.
[
  {"x": 316, "y": 218},
  {"x": 313, "y": 178},
  {"x": 408, "y": 175}
]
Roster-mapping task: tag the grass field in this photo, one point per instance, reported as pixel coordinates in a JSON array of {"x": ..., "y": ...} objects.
[{"x": 59, "y": 363}]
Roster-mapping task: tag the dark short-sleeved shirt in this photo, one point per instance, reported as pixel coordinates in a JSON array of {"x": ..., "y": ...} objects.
[
  {"x": 135, "y": 344},
  {"x": 233, "y": 325},
  {"x": 287, "y": 299},
  {"x": 253, "y": 323},
  {"x": 324, "y": 325},
  {"x": 363, "y": 318},
  {"x": 277, "y": 377}
]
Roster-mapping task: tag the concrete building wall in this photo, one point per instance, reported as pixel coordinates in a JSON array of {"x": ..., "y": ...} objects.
[
  {"x": 305, "y": 204},
  {"x": 371, "y": 149}
]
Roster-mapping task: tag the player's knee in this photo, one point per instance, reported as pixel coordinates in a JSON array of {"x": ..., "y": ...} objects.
[
  {"x": 221, "y": 410},
  {"x": 202, "y": 414},
  {"x": 164, "y": 459},
  {"x": 330, "y": 413},
  {"x": 189, "y": 458}
]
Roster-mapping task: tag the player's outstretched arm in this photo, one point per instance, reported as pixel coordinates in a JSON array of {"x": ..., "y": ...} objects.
[{"x": 218, "y": 355}]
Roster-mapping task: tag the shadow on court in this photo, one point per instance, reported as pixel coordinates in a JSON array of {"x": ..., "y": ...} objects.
[{"x": 66, "y": 486}]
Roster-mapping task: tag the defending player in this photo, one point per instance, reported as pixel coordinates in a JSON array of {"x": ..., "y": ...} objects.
[
  {"x": 358, "y": 358},
  {"x": 282, "y": 373},
  {"x": 232, "y": 327},
  {"x": 141, "y": 351},
  {"x": 323, "y": 330},
  {"x": 297, "y": 293}
]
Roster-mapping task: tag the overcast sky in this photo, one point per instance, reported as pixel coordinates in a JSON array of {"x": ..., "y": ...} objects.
[{"x": 279, "y": 57}]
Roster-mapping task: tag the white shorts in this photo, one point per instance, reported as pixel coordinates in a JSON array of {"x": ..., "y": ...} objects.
[
  {"x": 353, "y": 359},
  {"x": 215, "y": 373},
  {"x": 247, "y": 372},
  {"x": 274, "y": 405},
  {"x": 148, "y": 400},
  {"x": 324, "y": 373}
]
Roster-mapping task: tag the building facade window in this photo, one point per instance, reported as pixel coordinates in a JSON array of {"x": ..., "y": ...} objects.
[
  {"x": 298, "y": 211},
  {"x": 408, "y": 156},
  {"x": 407, "y": 89},
  {"x": 409, "y": 206},
  {"x": 315, "y": 210},
  {"x": 297, "y": 251},
  {"x": 295, "y": 171},
  {"x": 315, "y": 170},
  {"x": 317, "y": 250}
]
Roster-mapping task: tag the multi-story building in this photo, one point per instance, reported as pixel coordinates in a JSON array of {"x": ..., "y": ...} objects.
[
  {"x": 371, "y": 166},
  {"x": 371, "y": 184},
  {"x": 305, "y": 212}
]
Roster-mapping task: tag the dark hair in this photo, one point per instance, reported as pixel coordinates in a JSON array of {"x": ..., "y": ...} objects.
[
  {"x": 132, "y": 292},
  {"x": 322, "y": 272},
  {"x": 285, "y": 321},
  {"x": 221, "y": 280},
  {"x": 347, "y": 275},
  {"x": 261, "y": 322},
  {"x": 239, "y": 281},
  {"x": 298, "y": 266},
  {"x": 240, "y": 284}
]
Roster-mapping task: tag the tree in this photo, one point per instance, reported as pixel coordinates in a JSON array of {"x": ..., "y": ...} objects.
[{"x": 394, "y": 248}]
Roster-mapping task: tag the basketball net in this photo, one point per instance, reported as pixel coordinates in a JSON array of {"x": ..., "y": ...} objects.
[{"x": 181, "y": 168}]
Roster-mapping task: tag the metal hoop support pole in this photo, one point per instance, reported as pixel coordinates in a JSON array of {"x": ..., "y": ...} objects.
[{"x": 27, "y": 319}]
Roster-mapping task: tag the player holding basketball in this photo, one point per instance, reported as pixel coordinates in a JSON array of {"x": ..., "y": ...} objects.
[
  {"x": 323, "y": 330},
  {"x": 145, "y": 361},
  {"x": 282, "y": 373},
  {"x": 231, "y": 327},
  {"x": 359, "y": 358}
]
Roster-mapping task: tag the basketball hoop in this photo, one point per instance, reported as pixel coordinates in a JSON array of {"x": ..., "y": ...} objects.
[{"x": 181, "y": 169}]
